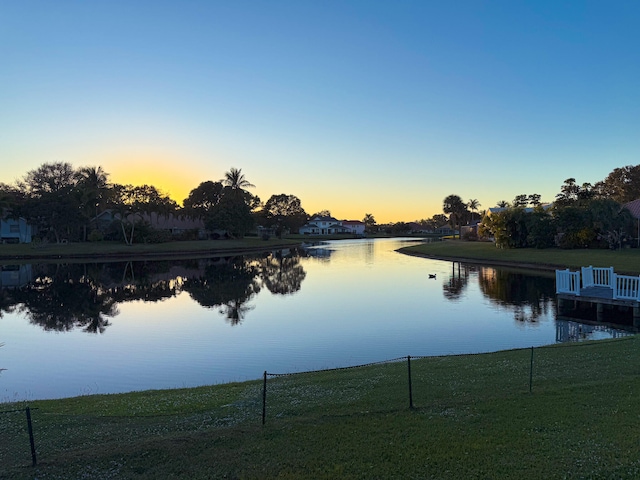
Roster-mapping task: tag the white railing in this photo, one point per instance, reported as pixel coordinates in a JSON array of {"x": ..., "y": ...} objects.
[
  {"x": 567, "y": 282},
  {"x": 597, "y": 277},
  {"x": 623, "y": 287},
  {"x": 627, "y": 288}
]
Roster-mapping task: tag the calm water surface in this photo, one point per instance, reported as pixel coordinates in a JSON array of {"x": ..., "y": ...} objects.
[{"x": 115, "y": 327}]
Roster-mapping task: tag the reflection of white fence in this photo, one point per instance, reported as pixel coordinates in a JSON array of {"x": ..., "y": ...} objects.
[{"x": 623, "y": 287}]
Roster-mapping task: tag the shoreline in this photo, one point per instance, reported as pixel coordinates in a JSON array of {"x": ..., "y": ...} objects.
[
  {"x": 146, "y": 254},
  {"x": 240, "y": 250},
  {"x": 475, "y": 261}
]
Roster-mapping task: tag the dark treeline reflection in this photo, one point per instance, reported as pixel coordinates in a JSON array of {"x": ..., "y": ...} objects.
[
  {"x": 528, "y": 296},
  {"x": 62, "y": 297}
]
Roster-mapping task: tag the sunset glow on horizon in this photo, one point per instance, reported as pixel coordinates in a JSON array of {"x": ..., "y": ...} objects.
[{"x": 353, "y": 106}]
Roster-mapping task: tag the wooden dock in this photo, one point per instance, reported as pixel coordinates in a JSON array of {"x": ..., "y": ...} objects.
[{"x": 599, "y": 286}]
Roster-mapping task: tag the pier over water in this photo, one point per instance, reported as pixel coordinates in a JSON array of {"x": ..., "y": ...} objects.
[{"x": 599, "y": 286}]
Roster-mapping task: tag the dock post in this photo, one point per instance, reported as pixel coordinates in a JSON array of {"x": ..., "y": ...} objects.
[
  {"x": 599, "y": 311},
  {"x": 562, "y": 306},
  {"x": 636, "y": 315}
]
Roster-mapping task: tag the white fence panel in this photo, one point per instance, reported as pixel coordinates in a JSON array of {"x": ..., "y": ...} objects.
[
  {"x": 603, "y": 277},
  {"x": 587, "y": 276},
  {"x": 627, "y": 288},
  {"x": 567, "y": 282}
]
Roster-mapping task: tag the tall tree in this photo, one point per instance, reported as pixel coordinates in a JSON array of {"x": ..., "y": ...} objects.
[
  {"x": 93, "y": 184},
  {"x": 534, "y": 199},
  {"x": 571, "y": 193},
  {"x": 10, "y": 197},
  {"x": 92, "y": 187},
  {"x": 622, "y": 184},
  {"x": 520, "y": 200},
  {"x": 235, "y": 179},
  {"x": 49, "y": 178},
  {"x": 473, "y": 205},
  {"x": 321, "y": 213},
  {"x": 369, "y": 222},
  {"x": 437, "y": 221},
  {"x": 51, "y": 201},
  {"x": 231, "y": 214},
  {"x": 284, "y": 211},
  {"x": 203, "y": 198},
  {"x": 457, "y": 210}
]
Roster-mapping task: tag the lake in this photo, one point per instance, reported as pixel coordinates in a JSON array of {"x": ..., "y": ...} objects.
[{"x": 92, "y": 328}]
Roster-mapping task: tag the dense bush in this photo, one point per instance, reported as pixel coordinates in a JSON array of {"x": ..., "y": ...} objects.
[{"x": 595, "y": 223}]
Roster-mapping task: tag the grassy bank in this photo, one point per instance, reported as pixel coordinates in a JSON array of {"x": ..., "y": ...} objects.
[
  {"x": 95, "y": 250},
  {"x": 623, "y": 261},
  {"x": 120, "y": 250},
  {"x": 473, "y": 418}
]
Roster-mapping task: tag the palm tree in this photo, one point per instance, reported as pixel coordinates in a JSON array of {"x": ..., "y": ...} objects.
[
  {"x": 369, "y": 221},
  {"x": 456, "y": 208},
  {"x": 236, "y": 180},
  {"x": 473, "y": 205},
  {"x": 92, "y": 185},
  {"x": 502, "y": 204}
]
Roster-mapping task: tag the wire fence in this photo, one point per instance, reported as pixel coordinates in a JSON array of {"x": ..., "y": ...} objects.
[
  {"x": 406, "y": 382},
  {"x": 426, "y": 383}
]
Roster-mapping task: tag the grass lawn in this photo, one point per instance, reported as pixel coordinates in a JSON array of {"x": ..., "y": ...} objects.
[
  {"x": 624, "y": 261},
  {"x": 119, "y": 249},
  {"x": 473, "y": 418}
]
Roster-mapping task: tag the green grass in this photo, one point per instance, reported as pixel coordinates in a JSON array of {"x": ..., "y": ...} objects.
[
  {"x": 473, "y": 418},
  {"x": 623, "y": 261},
  {"x": 119, "y": 249}
]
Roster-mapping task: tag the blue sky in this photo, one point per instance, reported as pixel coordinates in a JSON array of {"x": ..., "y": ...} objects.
[{"x": 353, "y": 106}]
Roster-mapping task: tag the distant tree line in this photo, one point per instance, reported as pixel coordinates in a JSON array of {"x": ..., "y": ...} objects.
[
  {"x": 63, "y": 202},
  {"x": 582, "y": 216}
]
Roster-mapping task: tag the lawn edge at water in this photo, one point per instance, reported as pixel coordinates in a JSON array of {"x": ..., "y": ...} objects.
[
  {"x": 178, "y": 249},
  {"x": 625, "y": 261},
  {"x": 108, "y": 251}
]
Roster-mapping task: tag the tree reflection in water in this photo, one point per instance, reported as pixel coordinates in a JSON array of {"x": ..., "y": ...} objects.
[
  {"x": 232, "y": 282},
  {"x": 62, "y": 297},
  {"x": 228, "y": 284},
  {"x": 528, "y": 296},
  {"x": 281, "y": 272},
  {"x": 455, "y": 285},
  {"x": 7, "y": 302}
]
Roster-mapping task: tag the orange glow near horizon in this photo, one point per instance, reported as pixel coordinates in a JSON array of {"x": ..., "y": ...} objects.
[
  {"x": 167, "y": 175},
  {"x": 173, "y": 177}
]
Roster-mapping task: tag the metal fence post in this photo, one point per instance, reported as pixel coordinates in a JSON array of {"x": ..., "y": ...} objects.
[
  {"x": 410, "y": 390},
  {"x": 531, "y": 372},
  {"x": 264, "y": 397},
  {"x": 31, "y": 440}
]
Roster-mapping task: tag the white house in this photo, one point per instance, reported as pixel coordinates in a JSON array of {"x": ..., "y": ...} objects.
[
  {"x": 325, "y": 225},
  {"x": 356, "y": 227},
  {"x": 15, "y": 230}
]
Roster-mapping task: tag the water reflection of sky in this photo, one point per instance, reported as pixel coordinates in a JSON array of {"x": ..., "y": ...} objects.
[{"x": 353, "y": 302}]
